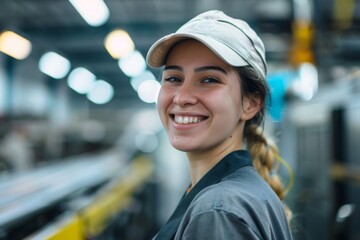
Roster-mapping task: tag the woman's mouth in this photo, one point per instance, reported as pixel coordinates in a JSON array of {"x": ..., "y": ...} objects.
[{"x": 185, "y": 119}]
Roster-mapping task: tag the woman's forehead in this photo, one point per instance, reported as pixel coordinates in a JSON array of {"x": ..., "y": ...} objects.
[{"x": 191, "y": 50}]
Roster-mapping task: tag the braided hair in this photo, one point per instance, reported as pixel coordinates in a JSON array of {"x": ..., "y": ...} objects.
[{"x": 263, "y": 151}]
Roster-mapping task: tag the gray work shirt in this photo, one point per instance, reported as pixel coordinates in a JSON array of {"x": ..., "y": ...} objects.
[
  {"x": 231, "y": 201},
  {"x": 241, "y": 206}
]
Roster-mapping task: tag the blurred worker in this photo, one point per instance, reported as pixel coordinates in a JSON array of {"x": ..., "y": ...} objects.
[
  {"x": 16, "y": 148},
  {"x": 211, "y": 104}
]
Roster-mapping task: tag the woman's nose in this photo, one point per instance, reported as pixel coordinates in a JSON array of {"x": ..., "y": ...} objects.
[{"x": 185, "y": 95}]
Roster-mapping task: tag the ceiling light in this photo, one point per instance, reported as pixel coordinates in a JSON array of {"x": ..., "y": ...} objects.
[
  {"x": 101, "y": 93},
  {"x": 136, "y": 81},
  {"x": 309, "y": 80},
  {"x": 306, "y": 84},
  {"x": 149, "y": 90},
  {"x": 118, "y": 43},
  {"x": 132, "y": 64},
  {"x": 54, "y": 65},
  {"x": 14, "y": 45},
  {"x": 94, "y": 12},
  {"x": 81, "y": 80}
]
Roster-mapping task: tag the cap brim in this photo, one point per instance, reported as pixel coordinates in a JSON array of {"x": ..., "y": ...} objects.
[{"x": 158, "y": 52}]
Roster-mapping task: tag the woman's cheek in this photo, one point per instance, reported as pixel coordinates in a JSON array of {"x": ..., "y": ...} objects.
[{"x": 161, "y": 104}]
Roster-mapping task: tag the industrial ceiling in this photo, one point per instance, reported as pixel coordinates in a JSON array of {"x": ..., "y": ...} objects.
[{"x": 54, "y": 25}]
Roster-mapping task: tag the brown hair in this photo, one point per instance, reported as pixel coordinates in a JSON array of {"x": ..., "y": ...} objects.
[{"x": 263, "y": 151}]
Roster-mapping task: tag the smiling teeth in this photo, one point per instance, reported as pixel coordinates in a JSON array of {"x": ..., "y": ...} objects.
[{"x": 187, "y": 120}]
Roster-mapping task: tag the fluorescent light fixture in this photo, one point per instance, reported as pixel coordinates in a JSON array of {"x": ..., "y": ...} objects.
[
  {"x": 94, "y": 12},
  {"x": 149, "y": 90},
  {"x": 345, "y": 212},
  {"x": 101, "y": 93},
  {"x": 118, "y": 43},
  {"x": 54, "y": 65},
  {"x": 136, "y": 81},
  {"x": 306, "y": 85},
  {"x": 309, "y": 80},
  {"x": 14, "y": 45},
  {"x": 81, "y": 80},
  {"x": 132, "y": 64}
]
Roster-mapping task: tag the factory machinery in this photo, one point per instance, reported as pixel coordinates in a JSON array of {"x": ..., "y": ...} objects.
[
  {"x": 320, "y": 139},
  {"x": 99, "y": 196}
]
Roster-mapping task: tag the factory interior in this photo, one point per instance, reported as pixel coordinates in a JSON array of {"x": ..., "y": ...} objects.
[{"x": 90, "y": 159}]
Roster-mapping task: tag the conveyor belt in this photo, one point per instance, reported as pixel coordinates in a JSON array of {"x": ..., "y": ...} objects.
[
  {"x": 90, "y": 220},
  {"x": 26, "y": 193}
]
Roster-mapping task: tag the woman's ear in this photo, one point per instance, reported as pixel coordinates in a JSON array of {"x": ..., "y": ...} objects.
[{"x": 251, "y": 106}]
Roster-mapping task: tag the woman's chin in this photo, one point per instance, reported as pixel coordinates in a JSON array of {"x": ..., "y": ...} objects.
[{"x": 184, "y": 146}]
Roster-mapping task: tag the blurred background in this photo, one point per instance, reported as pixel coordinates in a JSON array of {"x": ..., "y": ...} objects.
[{"x": 83, "y": 154}]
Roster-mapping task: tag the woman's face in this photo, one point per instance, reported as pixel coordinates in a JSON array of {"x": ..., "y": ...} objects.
[{"x": 200, "y": 104}]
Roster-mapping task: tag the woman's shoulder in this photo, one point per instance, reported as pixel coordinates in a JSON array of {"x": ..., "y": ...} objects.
[
  {"x": 243, "y": 193},
  {"x": 244, "y": 200}
]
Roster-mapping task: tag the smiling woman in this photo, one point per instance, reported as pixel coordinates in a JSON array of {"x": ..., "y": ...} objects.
[
  {"x": 211, "y": 104},
  {"x": 198, "y": 84}
]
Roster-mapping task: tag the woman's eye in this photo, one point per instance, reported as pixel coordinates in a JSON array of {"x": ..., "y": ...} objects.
[
  {"x": 210, "y": 80},
  {"x": 171, "y": 79}
]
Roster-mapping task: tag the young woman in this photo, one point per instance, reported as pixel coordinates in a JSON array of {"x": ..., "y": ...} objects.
[{"x": 211, "y": 104}]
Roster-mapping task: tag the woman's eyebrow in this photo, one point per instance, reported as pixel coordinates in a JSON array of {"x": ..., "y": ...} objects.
[
  {"x": 173, "y": 68},
  {"x": 199, "y": 69},
  {"x": 207, "y": 68}
]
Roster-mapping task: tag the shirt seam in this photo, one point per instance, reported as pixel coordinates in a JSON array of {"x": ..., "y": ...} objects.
[{"x": 230, "y": 214}]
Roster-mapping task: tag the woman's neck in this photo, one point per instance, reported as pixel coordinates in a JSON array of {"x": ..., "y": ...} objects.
[{"x": 201, "y": 162}]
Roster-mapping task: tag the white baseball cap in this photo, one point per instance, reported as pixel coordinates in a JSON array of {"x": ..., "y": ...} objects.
[{"x": 231, "y": 39}]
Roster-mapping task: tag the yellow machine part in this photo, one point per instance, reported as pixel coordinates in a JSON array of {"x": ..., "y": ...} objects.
[
  {"x": 96, "y": 216},
  {"x": 73, "y": 230},
  {"x": 91, "y": 220}
]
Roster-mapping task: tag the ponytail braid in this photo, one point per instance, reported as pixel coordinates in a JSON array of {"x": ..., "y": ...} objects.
[{"x": 263, "y": 151}]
